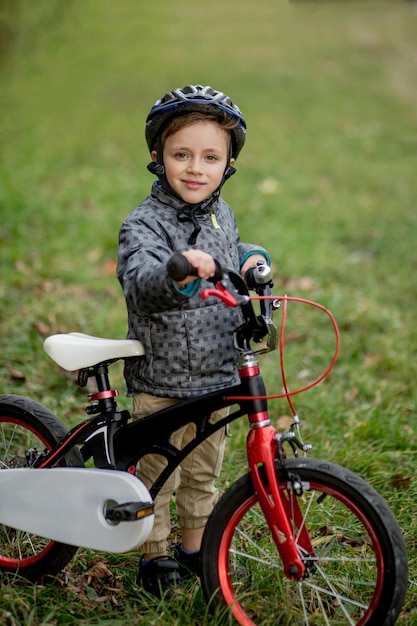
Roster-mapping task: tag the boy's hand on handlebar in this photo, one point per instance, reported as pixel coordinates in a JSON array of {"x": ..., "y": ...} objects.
[
  {"x": 251, "y": 262},
  {"x": 201, "y": 264},
  {"x": 257, "y": 274}
]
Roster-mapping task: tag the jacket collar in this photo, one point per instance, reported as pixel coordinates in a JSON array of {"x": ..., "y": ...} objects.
[{"x": 186, "y": 212}]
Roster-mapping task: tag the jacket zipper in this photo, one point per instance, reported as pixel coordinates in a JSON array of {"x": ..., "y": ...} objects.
[{"x": 222, "y": 237}]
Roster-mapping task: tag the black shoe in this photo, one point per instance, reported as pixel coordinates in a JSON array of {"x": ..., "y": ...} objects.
[
  {"x": 189, "y": 564},
  {"x": 159, "y": 576}
]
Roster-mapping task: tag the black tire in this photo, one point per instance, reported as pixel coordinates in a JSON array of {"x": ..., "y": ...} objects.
[
  {"x": 359, "y": 571},
  {"x": 27, "y": 428}
]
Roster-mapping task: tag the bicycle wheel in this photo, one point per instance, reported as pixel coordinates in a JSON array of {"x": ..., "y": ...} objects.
[
  {"x": 357, "y": 575},
  {"x": 26, "y": 429}
]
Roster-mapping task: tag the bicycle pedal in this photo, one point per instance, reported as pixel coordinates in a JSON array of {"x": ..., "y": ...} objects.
[{"x": 128, "y": 511}]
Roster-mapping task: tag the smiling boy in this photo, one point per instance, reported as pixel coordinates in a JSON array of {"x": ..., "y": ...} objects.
[{"x": 194, "y": 136}]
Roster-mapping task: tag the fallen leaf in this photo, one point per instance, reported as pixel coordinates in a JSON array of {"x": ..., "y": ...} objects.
[
  {"x": 284, "y": 422},
  {"x": 42, "y": 329},
  {"x": 98, "y": 570},
  {"x": 351, "y": 394},
  {"x": 269, "y": 186},
  {"x": 15, "y": 374},
  {"x": 294, "y": 336},
  {"x": 98, "y": 585},
  {"x": 305, "y": 283},
  {"x": 373, "y": 360},
  {"x": 400, "y": 481},
  {"x": 110, "y": 267}
]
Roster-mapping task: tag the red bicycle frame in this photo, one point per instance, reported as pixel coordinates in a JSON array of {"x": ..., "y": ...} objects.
[{"x": 263, "y": 451}]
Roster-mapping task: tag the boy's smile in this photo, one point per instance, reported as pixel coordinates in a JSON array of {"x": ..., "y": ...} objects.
[{"x": 195, "y": 158}]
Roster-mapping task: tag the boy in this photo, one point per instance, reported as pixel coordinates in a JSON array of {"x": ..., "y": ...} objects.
[{"x": 194, "y": 136}]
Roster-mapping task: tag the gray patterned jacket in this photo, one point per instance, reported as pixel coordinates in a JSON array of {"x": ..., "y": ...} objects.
[{"x": 188, "y": 341}]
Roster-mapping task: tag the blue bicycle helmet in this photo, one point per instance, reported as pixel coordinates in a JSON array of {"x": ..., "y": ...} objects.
[{"x": 193, "y": 98}]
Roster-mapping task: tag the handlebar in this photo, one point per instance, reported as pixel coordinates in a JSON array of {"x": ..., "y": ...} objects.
[
  {"x": 179, "y": 267},
  {"x": 232, "y": 289}
]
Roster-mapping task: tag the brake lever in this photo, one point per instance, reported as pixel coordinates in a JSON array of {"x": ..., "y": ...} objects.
[{"x": 225, "y": 295}]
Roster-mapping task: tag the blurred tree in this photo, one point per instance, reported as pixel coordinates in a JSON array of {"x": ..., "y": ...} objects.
[
  {"x": 20, "y": 19},
  {"x": 8, "y": 25}
]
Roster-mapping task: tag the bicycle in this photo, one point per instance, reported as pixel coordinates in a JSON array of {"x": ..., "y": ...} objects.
[{"x": 300, "y": 538}]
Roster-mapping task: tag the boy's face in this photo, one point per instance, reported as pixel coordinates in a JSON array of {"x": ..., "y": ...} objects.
[{"x": 195, "y": 158}]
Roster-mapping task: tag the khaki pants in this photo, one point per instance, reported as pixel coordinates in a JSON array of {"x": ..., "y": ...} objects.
[{"x": 192, "y": 482}]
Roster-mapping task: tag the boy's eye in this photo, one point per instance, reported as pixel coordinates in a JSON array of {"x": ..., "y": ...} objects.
[{"x": 184, "y": 155}]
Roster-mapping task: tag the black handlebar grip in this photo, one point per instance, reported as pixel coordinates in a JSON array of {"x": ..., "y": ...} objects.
[{"x": 178, "y": 268}]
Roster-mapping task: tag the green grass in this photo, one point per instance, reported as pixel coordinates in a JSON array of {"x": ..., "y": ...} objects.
[{"x": 327, "y": 182}]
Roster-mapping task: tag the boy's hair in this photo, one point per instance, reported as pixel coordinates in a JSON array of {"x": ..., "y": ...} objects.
[{"x": 186, "y": 119}]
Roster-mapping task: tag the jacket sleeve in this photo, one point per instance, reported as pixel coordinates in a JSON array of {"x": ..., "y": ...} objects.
[
  {"x": 247, "y": 249},
  {"x": 144, "y": 250}
]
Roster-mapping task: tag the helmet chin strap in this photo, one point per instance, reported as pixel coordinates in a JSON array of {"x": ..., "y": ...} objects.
[
  {"x": 228, "y": 172},
  {"x": 156, "y": 168}
]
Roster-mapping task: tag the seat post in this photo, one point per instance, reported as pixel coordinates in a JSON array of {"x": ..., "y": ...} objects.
[
  {"x": 105, "y": 395},
  {"x": 102, "y": 377}
]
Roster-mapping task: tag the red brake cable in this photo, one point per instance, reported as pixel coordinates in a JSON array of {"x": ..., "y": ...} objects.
[{"x": 287, "y": 394}]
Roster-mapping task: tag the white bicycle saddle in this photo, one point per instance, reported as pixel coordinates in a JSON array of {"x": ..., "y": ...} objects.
[{"x": 74, "y": 351}]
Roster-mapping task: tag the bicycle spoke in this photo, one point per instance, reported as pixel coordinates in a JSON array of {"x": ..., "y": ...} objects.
[
  {"x": 250, "y": 557},
  {"x": 333, "y": 593}
]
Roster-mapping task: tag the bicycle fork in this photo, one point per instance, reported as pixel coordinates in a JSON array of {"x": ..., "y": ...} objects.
[{"x": 263, "y": 451}]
